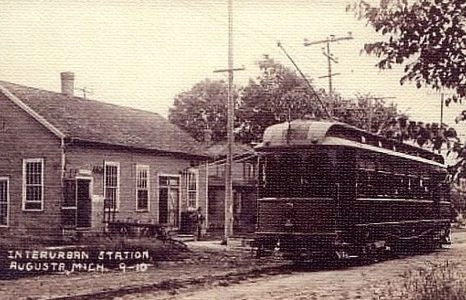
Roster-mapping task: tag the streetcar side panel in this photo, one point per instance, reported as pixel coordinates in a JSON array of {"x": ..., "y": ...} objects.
[{"x": 399, "y": 200}]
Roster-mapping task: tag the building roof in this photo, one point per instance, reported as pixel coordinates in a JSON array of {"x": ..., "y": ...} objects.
[{"x": 92, "y": 121}]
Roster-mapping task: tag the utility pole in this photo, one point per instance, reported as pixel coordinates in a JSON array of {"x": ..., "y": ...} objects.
[
  {"x": 442, "y": 100},
  {"x": 230, "y": 135},
  {"x": 330, "y": 58},
  {"x": 329, "y": 55}
]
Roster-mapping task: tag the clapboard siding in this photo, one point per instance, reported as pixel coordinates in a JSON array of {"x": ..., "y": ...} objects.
[
  {"x": 91, "y": 158},
  {"x": 22, "y": 137}
]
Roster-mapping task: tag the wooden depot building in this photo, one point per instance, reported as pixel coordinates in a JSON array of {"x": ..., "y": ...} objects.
[{"x": 61, "y": 156}]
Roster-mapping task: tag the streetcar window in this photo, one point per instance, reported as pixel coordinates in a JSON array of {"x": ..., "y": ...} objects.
[
  {"x": 444, "y": 192},
  {"x": 415, "y": 187},
  {"x": 389, "y": 177},
  {"x": 279, "y": 176},
  {"x": 295, "y": 174},
  {"x": 366, "y": 183},
  {"x": 317, "y": 174},
  {"x": 384, "y": 187},
  {"x": 399, "y": 186},
  {"x": 289, "y": 176},
  {"x": 426, "y": 187}
]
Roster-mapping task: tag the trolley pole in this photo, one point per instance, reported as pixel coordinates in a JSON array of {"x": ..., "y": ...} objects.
[
  {"x": 230, "y": 135},
  {"x": 309, "y": 85}
]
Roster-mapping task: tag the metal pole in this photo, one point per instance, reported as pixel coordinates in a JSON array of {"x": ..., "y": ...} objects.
[{"x": 230, "y": 137}]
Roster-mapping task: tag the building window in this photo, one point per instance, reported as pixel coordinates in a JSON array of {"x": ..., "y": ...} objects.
[
  {"x": 248, "y": 171},
  {"x": 112, "y": 185},
  {"x": 142, "y": 188},
  {"x": 220, "y": 171},
  {"x": 33, "y": 184},
  {"x": 4, "y": 201},
  {"x": 191, "y": 183}
]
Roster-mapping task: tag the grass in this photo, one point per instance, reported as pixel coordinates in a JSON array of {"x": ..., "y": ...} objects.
[
  {"x": 27, "y": 242},
  {"x": 443, "y": 281},
  {"x": 159, "y": 251}
]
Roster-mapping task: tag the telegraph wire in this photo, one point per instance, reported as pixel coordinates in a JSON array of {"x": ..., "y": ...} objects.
[{"x": 243, "y": 33}]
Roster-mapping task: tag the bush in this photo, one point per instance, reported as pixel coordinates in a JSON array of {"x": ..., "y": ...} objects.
[{"x": 434, "y": 282}]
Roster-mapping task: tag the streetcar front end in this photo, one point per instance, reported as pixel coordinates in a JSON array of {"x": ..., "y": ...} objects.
[{"x": 298, "y": 209}]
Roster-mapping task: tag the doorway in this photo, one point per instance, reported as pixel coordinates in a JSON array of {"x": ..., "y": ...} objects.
[
  {"x": 169, "y": 200},
  {"x": 83, "y": 203},
  {"x": 77, "y": 206}
]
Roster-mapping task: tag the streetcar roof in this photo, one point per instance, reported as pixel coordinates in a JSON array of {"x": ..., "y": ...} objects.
[{"x": 309, "y": 132}]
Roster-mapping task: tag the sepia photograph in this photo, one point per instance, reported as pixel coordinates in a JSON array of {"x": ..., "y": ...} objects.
[{"x": 232, "y": 149}]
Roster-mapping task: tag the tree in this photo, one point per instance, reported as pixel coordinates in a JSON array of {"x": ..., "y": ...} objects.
[
  {"x": 366, "y": 112},
  {"x": 201, "y": 109},
  {"x": 280, "y": 94},
  {"x": 277, "y": 95},
  {"x": 428, "y": 37}
]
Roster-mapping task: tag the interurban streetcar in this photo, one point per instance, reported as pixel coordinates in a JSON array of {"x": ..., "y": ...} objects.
[{"x": 327, "y": 188}]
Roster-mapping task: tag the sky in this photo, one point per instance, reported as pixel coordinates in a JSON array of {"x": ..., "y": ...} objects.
[{"x": 143, "y": 53}]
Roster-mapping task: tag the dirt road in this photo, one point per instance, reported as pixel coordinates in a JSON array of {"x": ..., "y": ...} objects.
[{"x": 353, "y": 282}]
